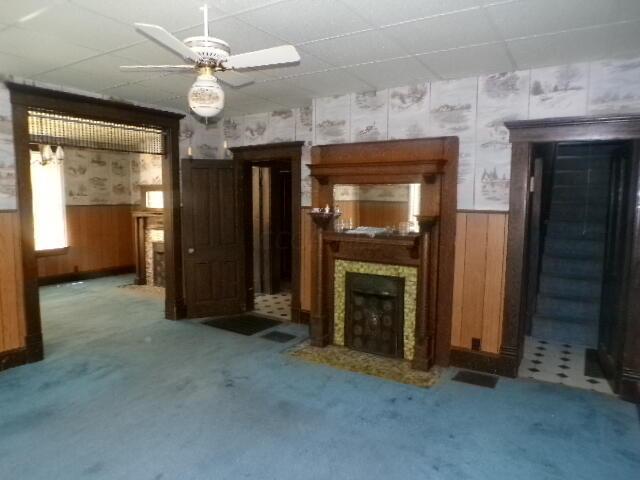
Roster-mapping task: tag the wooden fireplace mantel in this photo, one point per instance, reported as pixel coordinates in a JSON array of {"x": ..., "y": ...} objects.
[{"x": 430, "y": 162}]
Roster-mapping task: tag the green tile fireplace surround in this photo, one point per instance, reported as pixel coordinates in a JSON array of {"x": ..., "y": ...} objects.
[{"x": 410, "y": 276}]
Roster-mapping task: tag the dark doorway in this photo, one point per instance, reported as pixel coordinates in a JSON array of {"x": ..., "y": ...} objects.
[
  {"x": 579, "y": 195},
  {"x": 272, "y": 235},
  {"x": 271, "y": 206}
]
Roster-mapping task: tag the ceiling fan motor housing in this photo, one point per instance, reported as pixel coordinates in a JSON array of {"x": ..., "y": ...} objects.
[{"x": 213, "y": 51}]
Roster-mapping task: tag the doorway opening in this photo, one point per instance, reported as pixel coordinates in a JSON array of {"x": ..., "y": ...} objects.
[
  {"x": 271, "y": 239},
  {"x": 579, "y": 196},
  {"x": 80, "y": 169}
]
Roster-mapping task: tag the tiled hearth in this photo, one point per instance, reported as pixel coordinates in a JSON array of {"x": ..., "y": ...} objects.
[
  {"x": 277, "y": 305},
  {"x": 562, "y": 363}
]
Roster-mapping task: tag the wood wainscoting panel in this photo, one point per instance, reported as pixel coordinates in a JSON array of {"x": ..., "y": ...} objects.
[
  {"x": 478, "y": 303},
  {"x": 100, "y": 239},
  {"x": 12, "y": 314},
  {"x": 306, "y": 231}
]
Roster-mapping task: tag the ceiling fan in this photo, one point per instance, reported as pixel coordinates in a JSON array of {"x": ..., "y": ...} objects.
[{"x": 211, "y": 59}]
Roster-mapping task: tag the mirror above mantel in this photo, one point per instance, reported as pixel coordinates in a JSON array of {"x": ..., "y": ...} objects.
[{"x": 390, "y": 206}]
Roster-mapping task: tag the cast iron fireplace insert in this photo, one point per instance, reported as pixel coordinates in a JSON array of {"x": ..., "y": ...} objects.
[{"x": 374, "y": 314}]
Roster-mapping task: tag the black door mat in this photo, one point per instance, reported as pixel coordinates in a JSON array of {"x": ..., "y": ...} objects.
[
  {"x": 474, "y": 378},
  {"x": 243, "y": 324},
  {"x": 592, "y": 366},
  {"x": 279, "y": 337}
]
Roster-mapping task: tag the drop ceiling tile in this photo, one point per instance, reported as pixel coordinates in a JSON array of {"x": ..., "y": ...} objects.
[
  {"x": 357, "y": 48},
  {"x": 108, "y": 64},
  {"x": 274, "y": 88},
  {"x": 444, "y": 32},
  {"x": 137, "y": 93},
  {"x": 20, "y": 67},
  {"x": 39, "y": 47},
  {"x": 14, "y": 10},
  {"x": 82, "y": 80},
  {"x": 82, "y": 27},
  {"x": 468, "y": 62},
  {"x": 576, "y": 46},
  {"x": 149, "y": 53},
  {"x": 392, "y": 73},
  {"x": 238, "y": 6},
  {"x": 386, "y": 12},
  {"x": 241, "y": 36},
  {"x": 168, "y": 14},
  {"x": 176, "y": 83},
  {"x": 525, "y": 18},
  {"x": 332, "y": 82},
  {"x": 299, "y": 21},
  {"x": 308, "y": 63}
]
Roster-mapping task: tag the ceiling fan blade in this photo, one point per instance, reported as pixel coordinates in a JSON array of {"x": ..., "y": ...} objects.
[
  {"x": 235, "y": 79},
  {"x": 164, "y": 38},
  {"x": 263, "y": 58},
  {"x": 157, "y": 68}
]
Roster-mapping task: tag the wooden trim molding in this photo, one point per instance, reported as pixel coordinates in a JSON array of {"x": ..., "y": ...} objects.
[
  {"x": 524, "y": 135},
  {"x": 24, "y": 97},
  {"x": 52, "y": 252},
  {"x": 14, "y": 358},
  {"x": 500, "y": 364}
]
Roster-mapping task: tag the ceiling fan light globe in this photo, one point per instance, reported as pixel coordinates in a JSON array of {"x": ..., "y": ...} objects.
[{"x": 206, "y": 97}]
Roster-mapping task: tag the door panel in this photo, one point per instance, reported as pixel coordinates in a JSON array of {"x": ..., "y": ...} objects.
[{"x": 212, "y": 238}]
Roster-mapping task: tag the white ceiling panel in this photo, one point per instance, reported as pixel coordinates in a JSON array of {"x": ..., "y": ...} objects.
[
  {"x": 274, "y": 88},
  {"x": 239, "y": 6},
  {"x": 472, "y": 61},
  {"x": 385, "y": 12},
  {"x": 15, "y": 10},
  {"x": 300, "y": 21},
  {"x": 329, "y": 83},
  {"x": 576, "y": 46},
  {"x": 546, "y": 16},
  {"x": 443, "y": 32},
  {"x": 357, "y": 48},
  {"x": 82, "y": 27},
  {"x": 239, "y": 35},
  {"x": 83, "y": 80},
  {"x": 20, "y": 67},
  {"x": 308, "y": 63},
  {"x": 385, "y": 74},
  {"x": 176, "y": 83},
  {"x": 155, "y": 12},
  {"x": 149, "y": 53},
  {"x": 39, "y": 47},
  {"x": 137, "y": 92}
]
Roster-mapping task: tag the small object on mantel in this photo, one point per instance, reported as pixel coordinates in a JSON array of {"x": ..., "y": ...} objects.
[{"x": 321, "y": 217}]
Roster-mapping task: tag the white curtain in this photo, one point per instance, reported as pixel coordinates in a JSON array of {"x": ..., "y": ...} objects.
[{"x": 49, "y": 215}]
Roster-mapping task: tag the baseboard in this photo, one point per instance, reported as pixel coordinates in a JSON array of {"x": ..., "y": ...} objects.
[
  {"x": 304, "y": 317},
  {"x": 497, "y": 364},
  {"x": 13, "y": 358},
  {"x": 79, "y": 276},
  {"x": 629, "y": 385}
]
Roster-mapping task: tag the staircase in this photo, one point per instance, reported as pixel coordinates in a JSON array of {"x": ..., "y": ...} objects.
[{"x": 568, "y": 302}]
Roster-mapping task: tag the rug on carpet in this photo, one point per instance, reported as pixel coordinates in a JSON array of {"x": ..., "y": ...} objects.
[
  {"x": 393, "y": 369},
  {"x": 244, "y": 324}
]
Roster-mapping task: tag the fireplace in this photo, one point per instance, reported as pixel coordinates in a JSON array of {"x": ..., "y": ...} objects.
[{"x": 374, "y": 314}]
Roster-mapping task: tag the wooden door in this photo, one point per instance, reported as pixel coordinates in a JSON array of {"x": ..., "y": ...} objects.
[
  {"x": 611, "y": 325},
  {"x": 212, "y": 238}
]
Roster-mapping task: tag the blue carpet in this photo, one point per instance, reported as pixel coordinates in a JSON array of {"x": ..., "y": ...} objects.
[{"x": 124, "y": 394}]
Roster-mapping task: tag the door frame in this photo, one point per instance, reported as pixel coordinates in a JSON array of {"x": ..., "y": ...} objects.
[
  {"x": 25, "y": 97},
  {"x": 262, "y": 155},
  {"x": 524, "y": 135}
]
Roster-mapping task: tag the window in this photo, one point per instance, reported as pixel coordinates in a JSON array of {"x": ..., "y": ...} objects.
[{"x": 47, "y": 185}]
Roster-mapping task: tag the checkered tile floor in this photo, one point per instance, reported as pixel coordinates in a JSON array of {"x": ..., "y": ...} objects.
[
  {"x": 559, "y": 363},
  {"x": 277, "y": 305}
]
